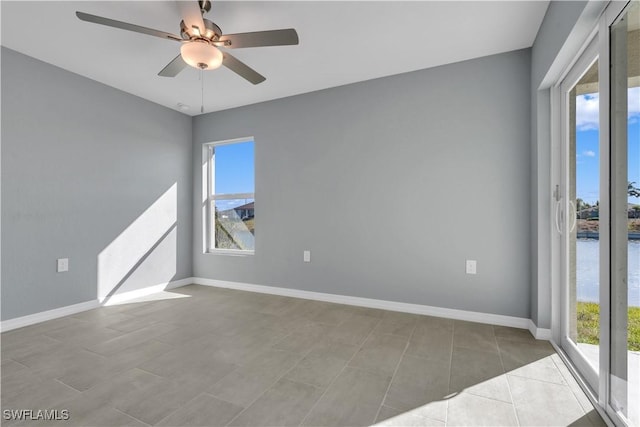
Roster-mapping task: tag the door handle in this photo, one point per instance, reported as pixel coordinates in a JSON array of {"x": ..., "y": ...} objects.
[
  {"x": 557, "y": 215},
  {"x": 573, "y": 216}
]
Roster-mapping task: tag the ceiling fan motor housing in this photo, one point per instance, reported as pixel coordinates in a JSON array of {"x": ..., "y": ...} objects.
[{"x": 211, "y": 33}]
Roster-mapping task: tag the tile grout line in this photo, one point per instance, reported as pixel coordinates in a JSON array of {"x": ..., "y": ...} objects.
[
  {"x": 44, "y": 334},
  {"x": 565, "y": 379},
  {"x": 131, "y": 416},
  {"x": 178, "y": 408},
  {"x": 415, "y": 325},
  {"x": 453, "y": 339},
  {"x": 267, "y": 388},
  {"x": 66, "y": 385},
  {"x": 572, "y": 391},
  {"x": 568, "y": 378},
  {"x": 541, "y": 381},
  {"x": 469, "y": 392},
  {"x": 486, "y": 397},
  {"x": 219, "y": 398},
  {"x": 513, "y": 404},
  {"x": 21, "y": 364},
  {"x": 534, "y": 379},
  {"x": 117, "y": 371},
  {"x": 340, "y": 373},
  {"x": 146, "y": 372},
  {"x": 171, "y": 380}
]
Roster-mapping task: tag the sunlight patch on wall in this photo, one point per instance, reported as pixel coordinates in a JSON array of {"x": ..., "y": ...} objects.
[{"x": 145, "y": 253}]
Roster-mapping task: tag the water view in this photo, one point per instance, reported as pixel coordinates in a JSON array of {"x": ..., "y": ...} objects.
[{"x": 587, "y": 273}]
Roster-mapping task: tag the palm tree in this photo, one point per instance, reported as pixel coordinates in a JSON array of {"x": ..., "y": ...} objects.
[{"x": 633, "y": 191}]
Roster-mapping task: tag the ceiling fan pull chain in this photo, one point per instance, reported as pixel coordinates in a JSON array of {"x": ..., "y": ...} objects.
[{"x": 202, "y": 91}]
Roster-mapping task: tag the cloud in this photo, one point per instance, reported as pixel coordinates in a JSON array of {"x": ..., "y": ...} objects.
[
  {"x": 589, "y": 153},
  {"x": 587, "y": 109},
  {"x": 634, "y": 103}
]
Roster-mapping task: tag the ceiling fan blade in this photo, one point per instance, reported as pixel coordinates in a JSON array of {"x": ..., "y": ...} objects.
[
  {"x": 126, "y": 26},
  {"x": 242, "y": 69},
  {"x": 191, "y": 14},
  {"x": 261, "y": 38},
  {"x": 172, "y": 69}
]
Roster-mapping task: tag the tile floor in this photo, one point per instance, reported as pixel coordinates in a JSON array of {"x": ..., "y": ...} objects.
[{"x": 207, "y": 356}]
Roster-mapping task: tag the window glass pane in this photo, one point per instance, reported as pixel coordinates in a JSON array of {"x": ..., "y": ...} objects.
[
  {"x": 584, "y": 221},
  {"x": 234, "y": 168},
  {"x": 234, "y": 224},
  {"x": 625, "y": 205}
]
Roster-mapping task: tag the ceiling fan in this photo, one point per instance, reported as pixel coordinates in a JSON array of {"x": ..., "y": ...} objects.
[{"x": 201, "y": 40}]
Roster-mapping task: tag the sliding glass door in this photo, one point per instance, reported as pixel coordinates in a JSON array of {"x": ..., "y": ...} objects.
[{"x": 597, "y": 213}]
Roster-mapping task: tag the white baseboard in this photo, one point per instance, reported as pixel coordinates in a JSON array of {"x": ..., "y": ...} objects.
[
  {"x": 19, "y": 322},
  {"x": 43, "y": 316},
  {"x": 539, "y": 333},
  {"x": 471, "y": 316},
  {"x": 127, "y": 296}
]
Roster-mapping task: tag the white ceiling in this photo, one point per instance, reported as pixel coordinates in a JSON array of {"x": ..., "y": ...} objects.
[{"x": 340, "y": 43}]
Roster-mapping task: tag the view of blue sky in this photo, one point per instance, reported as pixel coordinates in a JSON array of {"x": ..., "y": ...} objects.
[
  {"x": 234, "y": 172},
  {"x": 234, "y": 168},
  {"x": 587, "y": 145}
]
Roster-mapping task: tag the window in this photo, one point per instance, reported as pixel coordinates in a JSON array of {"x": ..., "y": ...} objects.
[{"x": 230, "y": 212}]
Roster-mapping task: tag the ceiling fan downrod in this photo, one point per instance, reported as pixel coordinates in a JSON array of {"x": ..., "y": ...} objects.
[{"x": 205, "y": 6}]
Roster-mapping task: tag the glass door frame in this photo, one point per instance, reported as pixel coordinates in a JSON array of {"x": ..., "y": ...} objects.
[{"x": 564, "y": 213}]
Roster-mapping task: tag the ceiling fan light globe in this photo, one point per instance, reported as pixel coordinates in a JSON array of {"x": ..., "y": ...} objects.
[{"x": 201, "y": 55}]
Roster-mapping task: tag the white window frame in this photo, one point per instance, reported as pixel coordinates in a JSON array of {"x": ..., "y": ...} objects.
[{"x": 209, "y": 196}]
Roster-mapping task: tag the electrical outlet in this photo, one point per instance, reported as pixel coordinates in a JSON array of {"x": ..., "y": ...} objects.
[
  {"x": 471, "y": 266},
  {"x": 63, "y": 265},
  {"x": 306, "y": 256}
]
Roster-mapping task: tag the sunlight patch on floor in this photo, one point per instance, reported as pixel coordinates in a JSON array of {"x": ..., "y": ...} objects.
[
  {"x": 502, "y": 399},
  {"x": 157, "y": 296}
]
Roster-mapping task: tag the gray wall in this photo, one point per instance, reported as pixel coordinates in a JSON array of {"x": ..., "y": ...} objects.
[
  {"x": 92, "y": 174},
  {"x": 563, "y": 31},
  {"x": 392, "y": 184}
]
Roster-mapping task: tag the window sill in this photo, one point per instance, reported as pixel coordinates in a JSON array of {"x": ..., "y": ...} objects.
[{"x": 229, "y": 252}]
